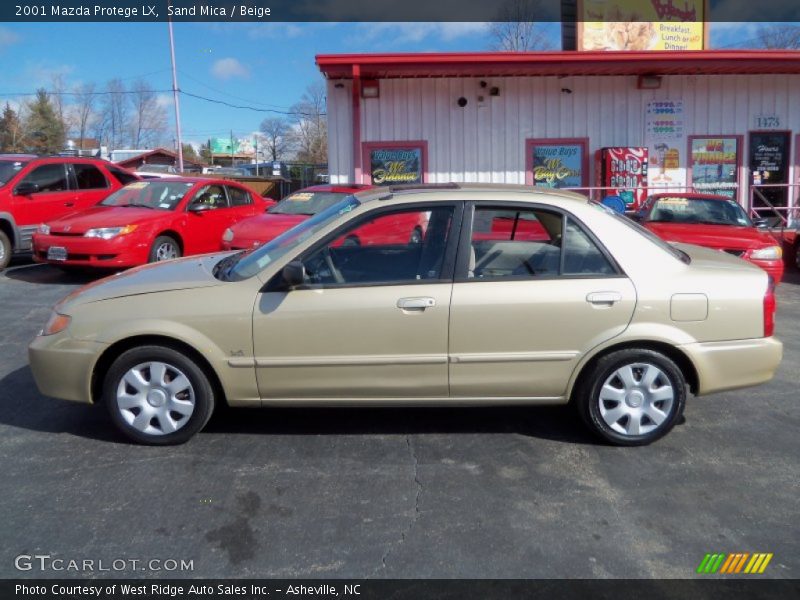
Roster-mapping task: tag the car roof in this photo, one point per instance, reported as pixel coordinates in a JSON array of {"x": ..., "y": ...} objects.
[
  {"x": 690, "y": 196},
  {"x": 344, "y": 188},
  {"x": 431, "y": 190},
  {"x": 194, "y": 180}
]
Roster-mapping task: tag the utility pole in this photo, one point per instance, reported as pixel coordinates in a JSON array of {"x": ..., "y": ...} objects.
[
  {"x": 255, "y": 143},
  {"x": 231, "y": 147},
  {"x": 175, "y": 97}
]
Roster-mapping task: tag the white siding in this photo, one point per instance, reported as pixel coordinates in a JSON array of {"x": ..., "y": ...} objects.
[{"x": 486, "y": 141}]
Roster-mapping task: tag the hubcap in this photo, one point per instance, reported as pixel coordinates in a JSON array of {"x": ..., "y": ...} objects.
[
  {"x": 636, "y": 399},
  {"x": 166, "y": 251},
  {"x": 155, "y": 398}
]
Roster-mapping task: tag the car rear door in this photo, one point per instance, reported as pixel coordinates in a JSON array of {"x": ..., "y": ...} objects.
[
  {"x": 525, "y": 309},
  {"x": 91, "y": 184},
  {"x": 372, "y": 321}
]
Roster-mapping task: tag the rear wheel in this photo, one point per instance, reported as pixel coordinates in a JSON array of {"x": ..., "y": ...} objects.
[
  {"x": 5, "y": 250},
  {"x": 632, "y": 397},
  {"x": 158, "y": 396},
  {"x": 164, "y": 248}
]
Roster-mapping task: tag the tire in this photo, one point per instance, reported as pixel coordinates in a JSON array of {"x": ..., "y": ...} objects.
[
  {"x": 5, "y": 250},
  {"x": 141, "y": 381},
  {"x": 796, "y": 255},
  {"x": 164, "y": 248},
  {"x": 617, "y": 403}
]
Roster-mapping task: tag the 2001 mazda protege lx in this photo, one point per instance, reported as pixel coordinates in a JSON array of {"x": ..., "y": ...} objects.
[{"x": 511, "y": 295}]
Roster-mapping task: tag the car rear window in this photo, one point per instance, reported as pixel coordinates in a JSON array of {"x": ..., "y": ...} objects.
[{"x": 123, "y": 176}]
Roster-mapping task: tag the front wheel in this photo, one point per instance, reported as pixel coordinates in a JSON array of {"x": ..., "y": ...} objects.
[
  {"x": 632, "y": 397},
  {"x": 164, "y": 248},
  {"x": 158, "y": 396},
  {"x": 5, "y": 250}
]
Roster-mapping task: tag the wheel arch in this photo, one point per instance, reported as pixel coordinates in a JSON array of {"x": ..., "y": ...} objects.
[
  {"x": 680, "y": 358},
  {"x": 116, "y": 349},
  {"x": 9, "y": 227},
  {"x": 174, "y": 235}
]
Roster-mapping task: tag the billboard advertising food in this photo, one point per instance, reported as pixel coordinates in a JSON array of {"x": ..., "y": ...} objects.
[{"x": 641, "y": 25}]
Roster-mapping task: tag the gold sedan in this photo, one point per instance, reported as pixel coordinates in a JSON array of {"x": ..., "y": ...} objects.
[{"x": 507, "y": 296}]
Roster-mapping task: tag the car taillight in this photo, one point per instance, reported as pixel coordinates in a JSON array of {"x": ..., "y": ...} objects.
[{"x": 769, "y": 309}]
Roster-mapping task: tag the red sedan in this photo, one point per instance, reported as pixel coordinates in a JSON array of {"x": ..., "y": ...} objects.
[
  {"x": 148, "y": 221},
  {"x": 715, "y": 222},
  {"x": 307, "y": 202}
]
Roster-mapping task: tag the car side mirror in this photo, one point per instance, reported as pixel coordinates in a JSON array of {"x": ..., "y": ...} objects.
[
  {"x": 198, "y": 208},
  {"x": 294, "y": 273},
  {"x": 26, "y": 188},
  {"x": 761, "y": 223}
]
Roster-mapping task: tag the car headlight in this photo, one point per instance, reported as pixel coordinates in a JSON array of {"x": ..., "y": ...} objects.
[
  {"x": 44, "y": 229},
  {"x": 768, "y": 253},
  {"x": 228, "y": 235},
  {"x": 56, "y": 323},
  {"x": 107, "y": 233}
]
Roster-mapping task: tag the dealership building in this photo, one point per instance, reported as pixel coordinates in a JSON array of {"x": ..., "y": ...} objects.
[{"x": 628, "y": 122}]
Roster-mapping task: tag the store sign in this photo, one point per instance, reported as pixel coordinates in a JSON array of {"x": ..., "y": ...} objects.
[
  {"x": 641, "y": 24},
  {"x": 395, "y": 166},
  {"x": 224, "y": 146},
  {"x": 666, "y": 141},
  {"x": 713, "y": 163},
  {"x": 558, "y": 165}
]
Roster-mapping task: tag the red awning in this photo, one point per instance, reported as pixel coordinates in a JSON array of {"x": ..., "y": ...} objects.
[{"x": 511, "y": 64}]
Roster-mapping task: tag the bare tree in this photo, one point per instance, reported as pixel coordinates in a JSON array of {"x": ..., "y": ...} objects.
[
  {"x": 309, "y": 125},
  {"x": 84, "y": 110},
  {"x": 58, "y": 89},
  {"x": 777, "y": 37},
  {"x": 276, "y": 136},
  {"x": 115, "y": 116},
  {"x": 516, "y": 31},
  {"x": 149, "y": 119}
]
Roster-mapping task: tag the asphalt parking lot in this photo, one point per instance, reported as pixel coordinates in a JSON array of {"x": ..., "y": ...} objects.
[{"x": 473, "y": 493}]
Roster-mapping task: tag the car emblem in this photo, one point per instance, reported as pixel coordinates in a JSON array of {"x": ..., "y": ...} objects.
[{"x": 67, "y": 228}]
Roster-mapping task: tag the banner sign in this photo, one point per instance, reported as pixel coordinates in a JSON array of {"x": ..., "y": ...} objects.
[
  {"x": 395, "y": 163},
  {"x": 714, "y": 165},
  {"x": 558, "y": 165},
  {"x": 666, "y": 141}
]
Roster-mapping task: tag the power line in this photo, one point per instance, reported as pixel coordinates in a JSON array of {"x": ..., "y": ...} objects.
[
  {"x": 205, "y": 85},
  {"x": 266, "y": 110}
]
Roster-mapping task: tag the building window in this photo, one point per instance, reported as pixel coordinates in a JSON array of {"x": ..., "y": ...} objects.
[
  {"x": 395, "y": 163},
  {"x": 714, "y": 162},
  {"x": 557, "y": 163}
]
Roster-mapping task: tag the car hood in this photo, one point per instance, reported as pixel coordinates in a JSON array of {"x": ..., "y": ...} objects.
[
  {"x": 104, "y": 216},
  {"x": 193, "y": 272},
  {"x": 712, "y": 236},
  {"x": 265, "y": 227}
]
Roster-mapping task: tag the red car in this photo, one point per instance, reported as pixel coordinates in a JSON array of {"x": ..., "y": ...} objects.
[
  {"x": 34, "y": 188},
  {"x": 148, "y": 221},
  {"x": 715, "y": 222},
  {"x": 307, "y": 202}
]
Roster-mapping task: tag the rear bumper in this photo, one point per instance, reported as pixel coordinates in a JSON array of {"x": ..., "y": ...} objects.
[
  {"x": 92, "y": 252},
  {"x": 62, "y": 366},
  {"x": 735, "y": 364}
]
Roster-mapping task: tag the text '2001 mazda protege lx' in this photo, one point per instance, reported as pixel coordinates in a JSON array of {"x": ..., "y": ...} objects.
[{"x": 511, "y": 296}]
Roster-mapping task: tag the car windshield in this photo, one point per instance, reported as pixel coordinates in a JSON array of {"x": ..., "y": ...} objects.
[
  {"x": 158, "y": 194},
  {"x": 652, "y": 237},
  {"x": 9, "y": 168},
  {"x": 247, "y": 264},
  {"x": 306, "y": 203},
  {"x": 706, "y": 211}
]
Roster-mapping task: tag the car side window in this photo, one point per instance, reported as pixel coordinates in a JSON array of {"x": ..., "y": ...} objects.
[
  {"x": 392, "y": 248},
  {"x": 212, "y": 197},
  {"x": 581, "y": 254},
  {"x": 514, "y": 243},
  {"x": 49, "y": 178},
  {"x": 238, "y": 196},
  {"x": 122, "y": 176},
  {"x": 89, "y": 177}
]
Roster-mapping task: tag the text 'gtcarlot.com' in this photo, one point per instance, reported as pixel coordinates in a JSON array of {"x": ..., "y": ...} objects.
[{"x": 45, "y": 562}]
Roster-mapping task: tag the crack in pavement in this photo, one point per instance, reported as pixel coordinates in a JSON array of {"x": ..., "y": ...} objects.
[{"x": 414, "y": 516}]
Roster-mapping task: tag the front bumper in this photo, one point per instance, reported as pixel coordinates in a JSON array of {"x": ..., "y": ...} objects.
[
  {"x": 773, "y": 267},
  {"x": 62, "y": 366},
  {"x": 735, "y": 364},
  {"x": 122, "y": 251}
]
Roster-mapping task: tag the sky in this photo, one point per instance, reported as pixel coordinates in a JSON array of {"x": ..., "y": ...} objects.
[{"x": 266, "y": 66}]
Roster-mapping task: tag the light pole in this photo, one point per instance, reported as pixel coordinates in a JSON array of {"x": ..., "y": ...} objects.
[{"x": 175, "y": 97}]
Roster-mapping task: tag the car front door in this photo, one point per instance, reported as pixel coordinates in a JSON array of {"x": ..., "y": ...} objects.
[
  {"x": 207, "y": 218},
  {"x": 51, "y": 199},
  {"x": 371, "y": 320},
  {"x": 526, "y": 308}
]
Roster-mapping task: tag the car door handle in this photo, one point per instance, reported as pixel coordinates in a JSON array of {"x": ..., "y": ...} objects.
[
  {"x": 420, "y": 303},
  {"x": 603, "y": 297},
  {"x": 69, "y": 204}
]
